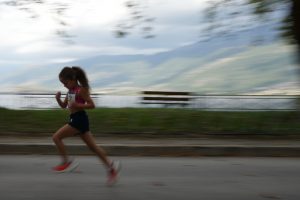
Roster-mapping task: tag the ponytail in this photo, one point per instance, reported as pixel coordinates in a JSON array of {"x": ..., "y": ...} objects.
[
  {"x": 75, "y": 73},
  {"x": 81, "y": 77}
]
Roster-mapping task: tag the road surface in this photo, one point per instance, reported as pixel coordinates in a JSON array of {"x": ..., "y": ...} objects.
[{"x": 152, "y": 178}]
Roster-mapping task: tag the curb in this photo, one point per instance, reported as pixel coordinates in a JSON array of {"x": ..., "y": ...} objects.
[{"x": 155, "y": 150}]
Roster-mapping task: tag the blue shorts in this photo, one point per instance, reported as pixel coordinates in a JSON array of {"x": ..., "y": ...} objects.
[{"x": 80, "y": 121}]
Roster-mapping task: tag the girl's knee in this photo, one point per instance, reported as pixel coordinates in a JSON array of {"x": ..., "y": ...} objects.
[{"x": 56, "y": 137}]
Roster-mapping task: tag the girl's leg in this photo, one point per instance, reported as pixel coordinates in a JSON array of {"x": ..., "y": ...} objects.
[
  {"x": 63, "y": 132},
  {"x": 90, "y": 141}
]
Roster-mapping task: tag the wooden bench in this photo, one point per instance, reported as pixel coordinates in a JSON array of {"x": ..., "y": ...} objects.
[{"x": 167, "y": 98}]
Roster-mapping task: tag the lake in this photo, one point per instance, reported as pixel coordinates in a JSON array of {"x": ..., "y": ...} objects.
[{"x": 206, "y": 102}]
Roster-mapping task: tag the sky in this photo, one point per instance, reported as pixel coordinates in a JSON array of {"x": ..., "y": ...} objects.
[{"x": 30, "y": 39}]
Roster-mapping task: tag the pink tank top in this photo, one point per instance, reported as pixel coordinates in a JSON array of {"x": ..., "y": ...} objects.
[{"x": 75, "y": 92}]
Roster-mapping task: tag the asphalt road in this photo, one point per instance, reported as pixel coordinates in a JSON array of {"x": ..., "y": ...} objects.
[{"x": 152, "y": 178}]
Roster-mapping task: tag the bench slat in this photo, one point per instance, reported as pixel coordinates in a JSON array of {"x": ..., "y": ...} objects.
[
  {"x": 166, "y": 103},
  {"x": 166, "y": 98},
  {"x": 165, "y": 93}
]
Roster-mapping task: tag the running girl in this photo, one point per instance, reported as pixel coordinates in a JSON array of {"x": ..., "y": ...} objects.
[{"x": 77, "y": 100}]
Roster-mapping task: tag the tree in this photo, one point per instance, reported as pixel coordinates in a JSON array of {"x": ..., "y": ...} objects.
[
  {"x": 137, "y": 19},
  {"x": 260, "y": 10},
  {"x": 295, "y": 18},
  {"x": 290, "y": 23},
  {"x": 56, "y": 10}
]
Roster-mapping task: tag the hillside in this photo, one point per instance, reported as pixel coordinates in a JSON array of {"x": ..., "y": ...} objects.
[{"x": 221, "y": 66}]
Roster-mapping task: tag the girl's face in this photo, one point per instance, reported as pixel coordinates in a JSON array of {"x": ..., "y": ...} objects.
[{"x": 68, "y": 83}]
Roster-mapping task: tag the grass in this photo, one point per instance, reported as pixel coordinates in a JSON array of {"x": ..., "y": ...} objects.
[{"x": 154, "y": 122}]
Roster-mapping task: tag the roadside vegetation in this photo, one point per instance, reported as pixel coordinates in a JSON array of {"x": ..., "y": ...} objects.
[{"x": 155, "y": 122}]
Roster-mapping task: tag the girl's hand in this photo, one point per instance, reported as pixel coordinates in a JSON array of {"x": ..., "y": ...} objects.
[
  {"x": 58, "y": 95},
  {"x": 62, "y": 104}
]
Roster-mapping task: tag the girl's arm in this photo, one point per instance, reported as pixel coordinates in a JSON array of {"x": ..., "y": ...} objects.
[
  {"x": 62, "y": 104},
  {"x": 84, "y": 93}
]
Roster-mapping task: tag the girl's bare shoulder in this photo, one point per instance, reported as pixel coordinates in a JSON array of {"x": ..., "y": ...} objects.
[{"x": 83, "y": 91}]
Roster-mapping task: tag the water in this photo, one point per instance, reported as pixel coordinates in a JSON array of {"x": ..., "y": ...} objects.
[{"x": 47, "y": 101}]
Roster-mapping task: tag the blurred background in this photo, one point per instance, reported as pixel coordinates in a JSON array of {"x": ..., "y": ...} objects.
[
  {"x": 225, "y": 55},
  {"x": 231, "y": 47}
]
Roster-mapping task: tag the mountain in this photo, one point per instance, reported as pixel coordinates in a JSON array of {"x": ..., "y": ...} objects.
[{"x": 223, "y": 65}]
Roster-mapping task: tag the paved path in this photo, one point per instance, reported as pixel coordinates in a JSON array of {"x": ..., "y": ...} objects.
[{"x": 149, "y": 178}]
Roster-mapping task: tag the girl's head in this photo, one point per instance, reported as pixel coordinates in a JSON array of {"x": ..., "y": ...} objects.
[{"x": 73, "y": 76}]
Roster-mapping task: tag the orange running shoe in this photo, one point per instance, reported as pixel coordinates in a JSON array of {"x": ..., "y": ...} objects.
[
  {"x": 65, "y": 167},
  {"x": 113, "y": 172}
]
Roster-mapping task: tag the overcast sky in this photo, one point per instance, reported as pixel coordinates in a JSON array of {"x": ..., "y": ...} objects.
[{"x": 30, "y": 39}]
